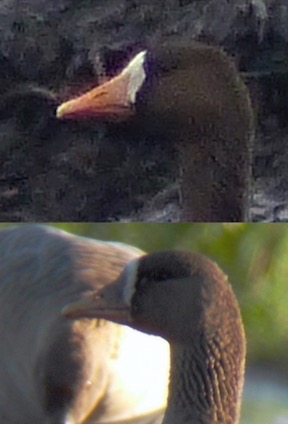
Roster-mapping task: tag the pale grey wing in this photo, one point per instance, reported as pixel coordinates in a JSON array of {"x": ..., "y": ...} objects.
[
  {"x": 42, "y": 269},
  {"x": 47, "y": 258}
]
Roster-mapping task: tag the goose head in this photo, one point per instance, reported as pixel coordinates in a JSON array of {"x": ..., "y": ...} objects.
[
  {"x": 191, "y": 95},
  {"x": 186, "y": 299}
]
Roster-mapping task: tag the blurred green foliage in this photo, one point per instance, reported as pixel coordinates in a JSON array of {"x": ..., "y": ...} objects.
[{"x": 253, "y": 255}]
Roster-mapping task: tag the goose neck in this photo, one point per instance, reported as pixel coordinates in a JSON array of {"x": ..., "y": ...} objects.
[{"x": 205, "y": 385}]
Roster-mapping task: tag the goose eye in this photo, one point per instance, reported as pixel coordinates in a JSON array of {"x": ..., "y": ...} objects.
[{"x": 142, "y": 282}]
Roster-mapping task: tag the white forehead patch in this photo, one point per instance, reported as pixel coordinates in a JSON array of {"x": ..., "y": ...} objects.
[
  {"x": 136, "y": 75},
  {"x": 130, "y": 275}
]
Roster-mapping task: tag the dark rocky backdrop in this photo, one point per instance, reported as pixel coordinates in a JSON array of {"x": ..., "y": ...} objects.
[{"x": 69, "y": 171}]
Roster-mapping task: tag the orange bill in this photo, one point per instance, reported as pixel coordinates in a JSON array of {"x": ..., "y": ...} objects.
[{"x": 113, "y": 100}]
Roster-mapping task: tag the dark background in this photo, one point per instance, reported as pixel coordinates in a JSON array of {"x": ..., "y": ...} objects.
[{"x": 82, "y": 171}]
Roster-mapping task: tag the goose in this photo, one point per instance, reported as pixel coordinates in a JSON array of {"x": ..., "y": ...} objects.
[
  {"x": 193, "y": 96},
  {"x": 186, "y": 299},
  {"x": 55, "y": 371}
]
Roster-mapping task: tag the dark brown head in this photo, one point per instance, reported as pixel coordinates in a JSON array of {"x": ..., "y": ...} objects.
[{"x": 171, "y": 294}]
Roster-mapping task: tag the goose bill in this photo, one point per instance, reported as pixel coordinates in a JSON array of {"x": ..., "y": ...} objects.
[
  {"x": 109, "y": 101},
  {"x": 113, "y": 100},
  {"x": 94, "y": 306}
]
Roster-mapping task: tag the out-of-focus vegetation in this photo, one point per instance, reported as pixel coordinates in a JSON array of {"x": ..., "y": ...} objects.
[{"x": 253, "y": 255}]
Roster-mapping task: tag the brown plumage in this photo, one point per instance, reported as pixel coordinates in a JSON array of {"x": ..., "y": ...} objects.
[
  {"x": 193, "y": 96},
  {"x": 56, "y": 371},
  {"x": 186, "y": 299}
]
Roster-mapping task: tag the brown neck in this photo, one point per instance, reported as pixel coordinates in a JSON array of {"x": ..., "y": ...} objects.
[
  {"x": 214, "y": 186},
  {"x": 215, "y": 149},
  {"x": 205, "y": 384}
]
